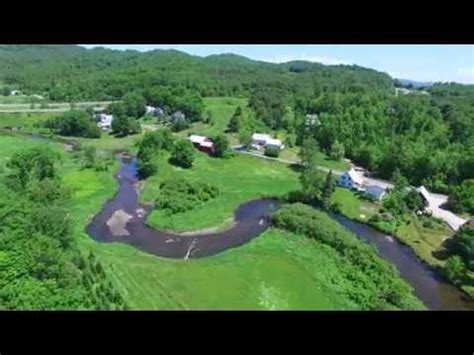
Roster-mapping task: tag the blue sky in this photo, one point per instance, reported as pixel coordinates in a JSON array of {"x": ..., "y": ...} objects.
[{"x": 416, "y": 62}]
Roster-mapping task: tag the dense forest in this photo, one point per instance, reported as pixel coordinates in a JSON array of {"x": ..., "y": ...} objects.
[
  {"x": 428, "y": 137},
  {"x": 72, "y": 73}
]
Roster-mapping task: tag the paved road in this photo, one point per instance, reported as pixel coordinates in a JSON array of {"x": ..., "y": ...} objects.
[
  {"x": 434, "y": 203},
  {"x": 434, "y": 200},
  {"x": 52, "y": 107}
]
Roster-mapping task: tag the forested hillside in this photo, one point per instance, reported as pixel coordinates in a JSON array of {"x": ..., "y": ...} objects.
[{"x": 74, "y": 73}]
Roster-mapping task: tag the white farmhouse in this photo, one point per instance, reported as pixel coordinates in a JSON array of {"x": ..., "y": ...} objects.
[
  {"x": 105, "y": 121},
  {"x": 352, "y": 179},
  {"x": 264, "y": 140}
]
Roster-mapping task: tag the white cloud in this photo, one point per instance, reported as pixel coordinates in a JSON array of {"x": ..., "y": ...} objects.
[{"x": 310, "y": 58}]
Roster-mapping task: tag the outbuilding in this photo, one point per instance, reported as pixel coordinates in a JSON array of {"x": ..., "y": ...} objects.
[
  {"x": 202, "y": 143},
  {"x": 375, "y": 192},
  {"x": 105, "y": 121},
  {"x": 156, "y": 111},
  {"x": 264, "y": 140}
]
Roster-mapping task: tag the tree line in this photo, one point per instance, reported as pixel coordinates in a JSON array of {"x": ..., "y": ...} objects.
[{"x": 41, "y": 266}]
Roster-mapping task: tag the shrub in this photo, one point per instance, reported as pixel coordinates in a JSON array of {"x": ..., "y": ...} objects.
[
  {"x": 123, "y": 126},
  {"x": 273, "y": 152},
  {"x": 221, "y": 145},
  {"x": 74, "y": 123},
  {"x": 180, "y": 195},
  {"x": 182, "y": 153},
  {"x": 378, "y": 279}
]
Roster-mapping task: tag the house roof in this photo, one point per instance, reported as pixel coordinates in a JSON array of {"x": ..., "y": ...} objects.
[
  {"x": 355, "y": 176},
  {"x": 198, "y": 139},
  {"x": 424, "y": 192},
  {"x": 261, "y": 136},
  {"x": 207, "y": 144},
  {"x": 272, "y": 141},
  {"x": 374, "y": 190},
  {"x": 105, "y": 120}
]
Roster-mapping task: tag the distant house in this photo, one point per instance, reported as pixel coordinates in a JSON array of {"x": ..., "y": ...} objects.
[
  {"x": 105, "y": 121},
  {"x": 156, "y": 111},
  {"x": 264, "y": 140},
  {"x": 375, "y": 192},
  {"x": 178, "y": 115},
  {"x": 351, "y": 179},
  {"x": 202, "y": 143},
  {"x": 312, "y": 120}
]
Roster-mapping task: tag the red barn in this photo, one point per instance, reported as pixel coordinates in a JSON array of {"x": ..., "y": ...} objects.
[{"x": 202, "y": 143}]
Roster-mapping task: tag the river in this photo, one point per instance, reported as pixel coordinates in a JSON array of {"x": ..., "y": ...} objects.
[{"x": 122, "y": 219}]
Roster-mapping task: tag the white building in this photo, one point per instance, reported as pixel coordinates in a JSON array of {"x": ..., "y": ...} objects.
[
  {"x": 312, "y": 120},
  {"x": 264, "y": 140},
  {"x": 352, "y": 179},
  {"x": 105, "y": 121},
  {"x": 150, "y": 110}
]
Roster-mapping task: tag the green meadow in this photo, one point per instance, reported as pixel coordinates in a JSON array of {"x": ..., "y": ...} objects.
[
  {"x": 240, "y": 178},
  {"x": 277, "y": 270}
]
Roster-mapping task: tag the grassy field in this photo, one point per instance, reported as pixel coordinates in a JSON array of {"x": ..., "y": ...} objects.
[
  {"x": 239, "y": 179},
  {"x": 277, "y": 270},
  {"x": 10, "y": 144},
  {"x": 222, "y": 109},
  {"x": 255, "y": 276},
  {"x": 109, "y": 142},
  {"x": 423, "y": 240},
  {"x": 24, "y": 120},
  {"x": 20, "y": 99},
  {"x": 352, "y": 206}
]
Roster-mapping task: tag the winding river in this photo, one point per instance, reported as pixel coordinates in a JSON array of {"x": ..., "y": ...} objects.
[{"x": 122, "y": 219}]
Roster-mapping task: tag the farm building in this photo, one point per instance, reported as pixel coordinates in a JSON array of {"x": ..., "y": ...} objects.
[
  {"x": 424, "y": 193},
  {"x": 264, "y": 140},
  {"x": 156, "y": 111},
  {"x": 105, "y": 121},
  {"x": 375, "y": 192},
  {"x": 312, "y": 120},
  {"x": 352, "y": 179},
  {"x": 202, "y": 143}
]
